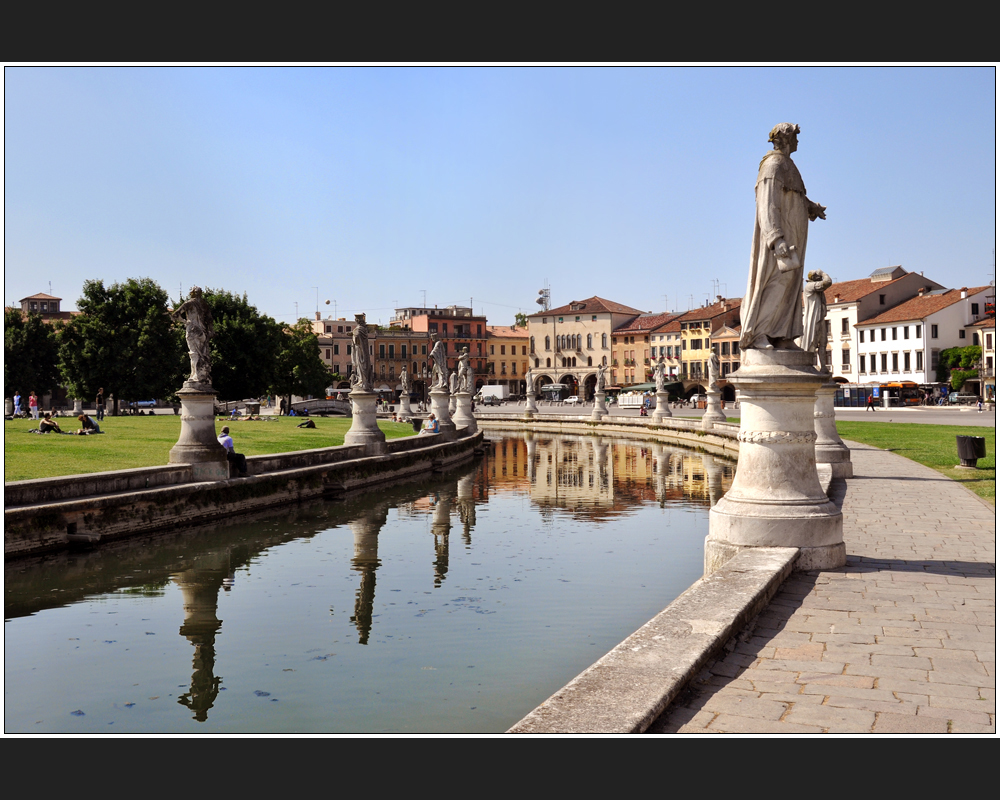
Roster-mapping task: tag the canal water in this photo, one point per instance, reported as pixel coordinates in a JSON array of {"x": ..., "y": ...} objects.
[{"x": 456, "y": 604}]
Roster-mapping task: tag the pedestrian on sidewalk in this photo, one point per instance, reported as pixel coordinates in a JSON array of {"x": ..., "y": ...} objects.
[{"x": 871, "y": 403}]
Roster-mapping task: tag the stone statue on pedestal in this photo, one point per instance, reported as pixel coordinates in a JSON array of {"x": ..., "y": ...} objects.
[
  {"x": 439, "y": 369},
  {"x": 601, "y": 370},
  {"x": 713, "y": 371},
  {"x": 771, "y": 313},
  {"x": 198, "y": 330},
  {"x": 363, "y": 375},
  {"x": 464, "y": 372},
  {"x": 660, "y": 374},
  {"x": 404, "y": 381},
  {"x": 814, "y": 323}
]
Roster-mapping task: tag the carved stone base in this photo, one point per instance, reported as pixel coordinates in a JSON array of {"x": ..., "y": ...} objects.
[
  {"x": 600, "y": 407},
  {"x": 830, "y": 448},
  {"x": 713, "y": 409},
  {"x": 662, "y": 407},
  {"x": 530, "y": 407},
  {"x": 198, "y": 445},
  {"x": 404, "y": 406},
  {"x": 776, "y": 499},
  {"x": 439, "y": 408},
  {"x": 364, "y": 425},
  {"x": 463, "y": 412}
]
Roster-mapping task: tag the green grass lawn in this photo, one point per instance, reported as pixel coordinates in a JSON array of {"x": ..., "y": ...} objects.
[
  {"x": 130, "y": 442},
  {"x": 933, "y": 446}
]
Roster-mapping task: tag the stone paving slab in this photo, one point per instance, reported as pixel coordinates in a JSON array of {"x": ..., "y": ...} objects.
[{"x": 901, "y": 640}]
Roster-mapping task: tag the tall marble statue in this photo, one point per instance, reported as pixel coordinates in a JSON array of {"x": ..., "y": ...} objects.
[
  {"x": 713, "y": 370},
  {"x": 771, "y": 312},
  {"x": 601, "y": 370},
  {"x": 464, "y": 372},
  {"x": 439, "y": 368},
  {"x": 363, "y": 375},
  {"x": 660, "y": 374},
  {"x": 198, "y": 330},
  {"x": 814, "y": 323},
  {"x": 529, "y": 382},
  {"x": 404, "y": 381}
]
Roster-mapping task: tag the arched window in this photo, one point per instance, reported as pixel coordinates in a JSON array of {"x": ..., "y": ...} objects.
[
  {"x": 604, "y": 361},
  {"x": 604, "y": 340},
  {"x": 548, "y": 363},
  {"x": 532, "y": 344},
  {"x": 547, "y": 343},
  {"x": 590, "y": 341},
  {"x": 590, "y": 361},
  {"x": 392, "y": 371}
]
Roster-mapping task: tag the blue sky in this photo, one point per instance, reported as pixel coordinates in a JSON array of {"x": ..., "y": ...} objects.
[{"x": 369, "y": 186}]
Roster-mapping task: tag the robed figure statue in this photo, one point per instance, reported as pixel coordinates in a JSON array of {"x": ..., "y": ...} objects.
[{"x": 198, "y": 330}]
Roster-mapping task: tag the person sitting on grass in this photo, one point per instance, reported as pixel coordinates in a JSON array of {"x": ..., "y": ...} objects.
[
  {"x": 47, "y": 425},
  {"x": 87, "y": 425},
  {"x": 307, "y": 424},
  {"x": 232, "y": 456}
]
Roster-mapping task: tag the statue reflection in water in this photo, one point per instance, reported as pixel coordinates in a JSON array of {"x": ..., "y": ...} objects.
[{"x": 366, "y": 529}]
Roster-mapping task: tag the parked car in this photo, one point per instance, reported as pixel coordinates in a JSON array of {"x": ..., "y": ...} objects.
[
  {"x": 572, "y": 399},
  {"x": 489, "y": 400}
]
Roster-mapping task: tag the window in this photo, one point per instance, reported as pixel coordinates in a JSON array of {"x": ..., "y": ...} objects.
[
  {"x": 594, "y": 318},
  {"x": 935, "y": 354},
  {"x": 336, "y": 368},
  {"x": 861, "y": 337},
  {"x": 883, "y": 334},
  {"x": 975, "y": 308},
  {"x": 590, "y": 341},
  {"x": 881, "y": 299},
  {"x": 871, "y": 360},
  {"x": 906, "y": 331},
  {"x": 861, "y": 365},
  {"x": 328, "y": 354},
  {"x": 961, "y": 333},
  {"x": 604, "y": 340},
  {"x": 920, "y": 360},
  {"x": 885, "y": 362},
  {"x": 545, "y": 320},
  {"x": 532, "y": 344},
  {"x": 503, "y": 349},
  {"x": 934, "y": 332},
  {"x": 906, "y": 361},
  {"x": 895, "y": 362},
  {"x": 696, "y": 344},
  {"x": 348, "y": 349},
  {"x": 329, "y": 328},
  {"x": 845, "y": 360},
  {"x": 336, "y": 349},
  {"x": 894, "y": 331},
  {"x": 975, "y": 338},
  {"x": 736, "y": 349},
  {"x": 844, "y": 325},
  {"x": 548, "y": 343},
  {"x": 392, "y": 351},
  {"x": 989, "y": 341},
  {"x": 916, "y": 332}
]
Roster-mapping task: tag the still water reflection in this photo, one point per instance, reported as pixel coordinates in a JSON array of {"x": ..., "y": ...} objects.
[{"x": 455, "y": 604}]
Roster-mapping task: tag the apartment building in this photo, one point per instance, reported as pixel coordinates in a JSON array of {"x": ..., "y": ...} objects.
[
  {"x": 455, "y": 326},
  {"x": 632, "y": 351},
  {"x": 507, "y": 356}
]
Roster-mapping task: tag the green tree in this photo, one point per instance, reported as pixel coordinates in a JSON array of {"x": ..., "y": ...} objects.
[
  {"x": 521, "y": 320},
  {"x": 30, "y": 355},
  {"x": 299, "y": 368},
  {"x": 966, "y": 359},
  {"x": 123, "y": 341},
  {"x": 246, "y": 346}
]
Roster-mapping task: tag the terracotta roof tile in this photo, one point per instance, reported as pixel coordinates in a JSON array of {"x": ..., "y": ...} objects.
[
  {"x": 506, "y": 332},
  {"x": 917, "y": 308},
  {"x": 647, "y": 322},
  {"x": 592, "y": 305}
]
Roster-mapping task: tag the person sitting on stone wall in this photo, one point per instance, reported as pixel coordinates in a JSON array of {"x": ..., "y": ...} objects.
[{"x": 232, "y": 456}]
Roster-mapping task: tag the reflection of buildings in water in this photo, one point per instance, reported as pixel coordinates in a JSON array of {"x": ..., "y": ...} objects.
[
  {"x": 366, "y": 529},
  {"x": 199, "y": 587},
  {"x": 597, "y": 477}
]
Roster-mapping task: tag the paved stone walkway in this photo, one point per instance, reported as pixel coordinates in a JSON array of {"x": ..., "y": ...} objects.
[{"x": 901, "y": 640}]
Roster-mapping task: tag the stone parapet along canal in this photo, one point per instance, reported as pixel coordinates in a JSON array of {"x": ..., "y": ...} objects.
[{"x": 452, "y": 605}]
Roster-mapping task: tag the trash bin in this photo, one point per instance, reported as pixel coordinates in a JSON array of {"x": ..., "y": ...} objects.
[
  {"x": 970, "y": 450},
  {"x": 253, "y": 409},
  {"x": 416, "y": 424}
]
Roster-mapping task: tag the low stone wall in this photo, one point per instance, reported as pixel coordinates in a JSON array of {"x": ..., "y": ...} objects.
[
  {"x": 721, "y": 439},
  {"x": 51, "y": 524},
  {"x": 67, "y": 487}
]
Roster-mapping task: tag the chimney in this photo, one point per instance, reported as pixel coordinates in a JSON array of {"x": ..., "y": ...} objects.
[
  {"x": 317, "y": 316},
  {"x": 965, "y": 292},
  {"x": 921, "y": 290}
]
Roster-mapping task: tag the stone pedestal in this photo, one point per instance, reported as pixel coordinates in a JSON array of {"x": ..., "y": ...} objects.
[
  {"x": 364, "y": 425},
  {"x": 713, "y": 408},
  {"x": 198, "y": 445},
  {"x": 404, "y": 406},
  {"x": 830, "y": 448},
  {"x": 600, "y": 407},
  {"x": 463, "y": 412},
  {"x": 530, "y": 408},
  {"x": 77, "y": 406},
  {"x": 776, "y": 499},
  {"x": 662, "y": 407},
  {"x": 439, "y": 408}
]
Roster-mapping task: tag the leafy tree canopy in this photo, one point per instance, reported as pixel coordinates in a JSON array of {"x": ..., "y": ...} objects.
[
  {"x": 299, "y": 368},
  {"x": 124, "y": 341},
  {"x": 246, "y": 346},
  {"x": 521, "y": 320},
  {"x": 30, "y": 354},
  {"x": 964, "y": 358}
]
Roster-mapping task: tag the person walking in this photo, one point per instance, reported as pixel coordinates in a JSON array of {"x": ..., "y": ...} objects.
[
  {"x": 871, "y": 403},
  {"x": 17, "y": 403},
  {"x": 100, "y": 404},
  {"x": 33, "y": 405}
]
